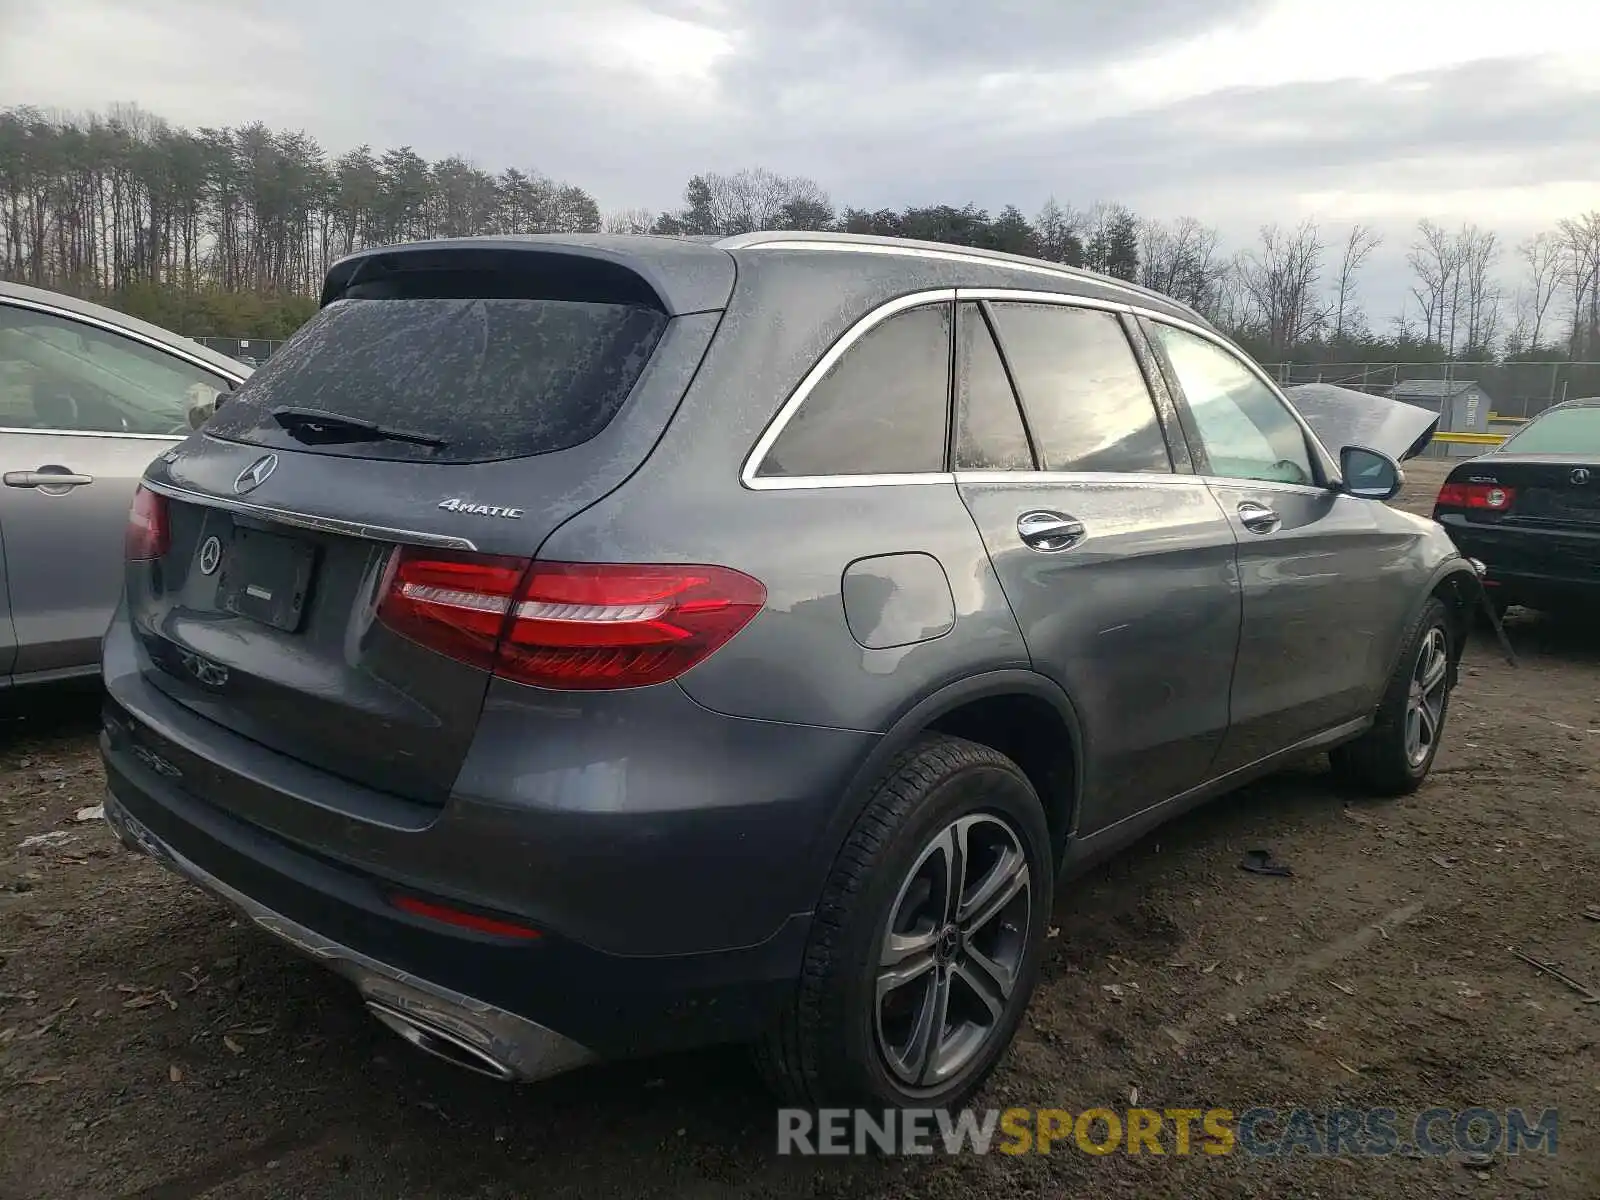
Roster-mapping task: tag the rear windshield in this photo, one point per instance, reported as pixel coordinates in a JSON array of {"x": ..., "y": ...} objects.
[
  {"x": 1563, "y": 431},
  {"x": 445, "y": 380}
]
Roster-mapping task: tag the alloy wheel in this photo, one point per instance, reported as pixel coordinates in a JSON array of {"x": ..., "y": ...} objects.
[
  {"x": 1425, "y": 703},
  {"x": 950, "y": 957}
]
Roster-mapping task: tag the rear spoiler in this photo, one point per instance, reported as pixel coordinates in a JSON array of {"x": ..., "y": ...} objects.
[{"x": 674, "y": 275}]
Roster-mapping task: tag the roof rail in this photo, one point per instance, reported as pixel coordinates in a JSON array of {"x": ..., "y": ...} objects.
[{"x": 807, "y": 239}]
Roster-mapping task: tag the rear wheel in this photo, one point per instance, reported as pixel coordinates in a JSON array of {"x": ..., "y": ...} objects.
[
  {"x": 1395, "y": 755},
  {"x": 926, "y": 943}
]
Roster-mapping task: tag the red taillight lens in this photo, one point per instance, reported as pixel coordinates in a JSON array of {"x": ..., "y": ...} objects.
[
  {"x": 1490, "y": 496},
  {"x": 568, "y": 625},
  {"x": 148, "y": 535},
  {"x": 583, "y": 625},
  {"x": 455, "y": 604}
]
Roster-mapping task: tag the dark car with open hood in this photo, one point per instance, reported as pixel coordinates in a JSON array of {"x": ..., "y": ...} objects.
[
  {"x": 1529, "y": 510},
  {"x": 592, "y": 646}
]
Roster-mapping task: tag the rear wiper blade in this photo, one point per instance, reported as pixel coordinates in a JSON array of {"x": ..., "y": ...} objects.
[{"x": 317, "y": 428}]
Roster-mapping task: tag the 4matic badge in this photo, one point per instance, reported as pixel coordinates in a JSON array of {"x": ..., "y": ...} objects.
[{"x": 456, "y": 504}]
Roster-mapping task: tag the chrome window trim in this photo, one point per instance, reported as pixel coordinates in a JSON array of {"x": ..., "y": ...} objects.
[
  {"x": 811, "y": 482},
  {"x": 1121, "y": 478},
  {"x": 1133, "y": 479},
  {"x": 310, "y": 521},
  {"x": 1060, "y": 299},
  {"x": 94, "y": 433},
  {"x": 1267, "y": 485},
  {"x": 752, "y": 462}
]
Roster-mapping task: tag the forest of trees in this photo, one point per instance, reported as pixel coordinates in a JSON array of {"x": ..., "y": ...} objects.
[{"x": 227, "y": 232}]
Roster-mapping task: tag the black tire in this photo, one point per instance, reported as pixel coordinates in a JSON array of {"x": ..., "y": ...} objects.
[
  {"x": 825, "y": 1047},
  {"x": 1381, "y": 761}
]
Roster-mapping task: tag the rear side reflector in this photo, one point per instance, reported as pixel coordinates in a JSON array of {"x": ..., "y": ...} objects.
[
  {"x": 568, "y": 626},
  {"x": 149, "y": 535},
  {"x": 446, "y": 915},
  {"x": 1490, "y": 496}
]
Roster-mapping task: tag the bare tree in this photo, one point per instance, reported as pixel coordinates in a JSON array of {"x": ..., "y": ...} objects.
[
  {"x": 1111, "y": 240},
  {"x": 753, "y": 199},
  {"x": 1540, "y": 256},
  {"x": 1435, "y": 260},
  {"x": 629, "y": 220},
  {"x": 1181, "y": 259},
  {"x": 1580, "y": 269},
  {"x": 1361, "y": 241},
  {"x": 1478, "y": 250},
  {"x": 1060, "y": 233},
  {"x": 1280, "y": 279}
]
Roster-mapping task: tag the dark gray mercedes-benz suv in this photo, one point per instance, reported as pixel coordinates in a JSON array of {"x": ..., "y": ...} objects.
[{"x": 591, "y": 646}]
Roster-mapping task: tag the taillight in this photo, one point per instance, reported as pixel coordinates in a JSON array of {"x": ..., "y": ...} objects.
[
  {"x": 1490, "y": 496},
  {"x": 568, "y": 626},
  {"x": 454, "y": 604},
  {"x": 148, "y": 534}
]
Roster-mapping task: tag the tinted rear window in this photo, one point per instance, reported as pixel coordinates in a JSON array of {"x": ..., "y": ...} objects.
[{"x": 487, "y": 378}]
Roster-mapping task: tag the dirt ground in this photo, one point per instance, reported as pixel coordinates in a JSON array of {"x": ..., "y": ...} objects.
[{"x": 151, "y": 1046}]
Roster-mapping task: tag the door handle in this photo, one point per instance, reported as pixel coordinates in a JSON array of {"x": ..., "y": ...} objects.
[
  {"x": 49, "y": 479},
  {"x": 1049, "y": 532},
  {"x": 1258, "y": 518}
]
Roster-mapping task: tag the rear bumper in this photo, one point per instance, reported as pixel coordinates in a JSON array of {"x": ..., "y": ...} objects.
[
  {"x": 666, "y": 854},
  {"x": 537, "y": 1006},
  {"x": 496, "y": 1042},
  {"x": 1530, "y": 564}
]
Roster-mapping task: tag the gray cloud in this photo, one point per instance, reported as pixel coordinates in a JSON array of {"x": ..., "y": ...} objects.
[
  {"x": 880, "y": 102},
  {"x": 1453, "y": 128},
  {"x": 939, "y": 35}
]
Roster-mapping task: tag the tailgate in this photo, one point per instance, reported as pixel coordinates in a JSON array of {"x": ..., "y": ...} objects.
[{"x": 462, "y": 427}]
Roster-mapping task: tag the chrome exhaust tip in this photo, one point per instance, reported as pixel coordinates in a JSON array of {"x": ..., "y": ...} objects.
[{"x": 441, "y": 1043}]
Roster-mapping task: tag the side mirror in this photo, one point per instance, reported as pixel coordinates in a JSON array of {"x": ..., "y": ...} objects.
[{"x": 1369, "y": 474}]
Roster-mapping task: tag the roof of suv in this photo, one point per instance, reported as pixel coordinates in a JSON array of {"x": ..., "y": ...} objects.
[
  {"x": 694, "y": 274},
  {"x": 1028, "y": 270}
]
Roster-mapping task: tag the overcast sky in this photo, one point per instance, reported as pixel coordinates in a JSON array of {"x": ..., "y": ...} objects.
[{"x": 1233, "y": 111}]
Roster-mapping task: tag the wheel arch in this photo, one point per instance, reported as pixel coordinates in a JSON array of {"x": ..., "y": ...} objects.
[
  {"x": 973, "y": 708},
  {"x": 1455, "y": 583}
]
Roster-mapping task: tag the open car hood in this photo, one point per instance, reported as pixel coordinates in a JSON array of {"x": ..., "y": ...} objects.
[{"x": 1342, "y": 417}]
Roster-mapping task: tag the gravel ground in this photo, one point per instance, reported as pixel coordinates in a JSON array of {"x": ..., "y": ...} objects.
[{"x": 151, "y": 1046}]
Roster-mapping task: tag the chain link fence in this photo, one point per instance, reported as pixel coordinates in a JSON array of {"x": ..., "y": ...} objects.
[
  {"x": 1516, "y": 390},
  {"x": 250, "y": 351}
]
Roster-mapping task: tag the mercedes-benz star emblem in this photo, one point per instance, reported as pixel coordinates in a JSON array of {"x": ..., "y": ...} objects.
[
  {"x": 210, "y": 556},
  {"x": 256, "y": 473},
  {"x": 1580, "y": 476}
]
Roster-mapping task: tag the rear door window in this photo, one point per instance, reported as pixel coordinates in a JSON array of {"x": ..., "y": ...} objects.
[
  {"x": 448, "y": 380},
  {"x": 990, "y": 435},
  {"x": 881, "y": 409},
  {"x": 1085, "y": 397}
]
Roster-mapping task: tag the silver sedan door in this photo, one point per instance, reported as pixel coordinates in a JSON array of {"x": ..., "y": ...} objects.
[{"x": 83, "y": 410}]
